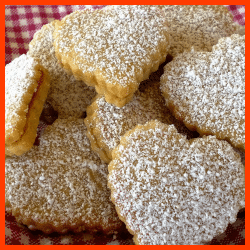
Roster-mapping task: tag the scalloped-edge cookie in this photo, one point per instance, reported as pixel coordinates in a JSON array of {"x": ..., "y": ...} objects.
[
  {"x": 68, "y": 96},
  {"x": 26, "y": 88},
  {"x": 206, "y": 90},
  {"x": 172, "y": 191},
  {"x": 113, "y": 49},
  {"x": 61, "y": 184},
  {"x": 106, "y": 123},
  {"x": 198, "y": 26}
]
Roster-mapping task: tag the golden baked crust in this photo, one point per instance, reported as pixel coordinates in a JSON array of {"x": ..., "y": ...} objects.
[
  {"x": 26, "y": 88},
  {"x": 113, "y": 49}
]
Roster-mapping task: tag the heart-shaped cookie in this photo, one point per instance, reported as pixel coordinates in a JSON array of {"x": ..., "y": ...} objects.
[
  {"x": 207, "y": 90},
  {"x": 61, "y": 184},
  {"x": 198, "y": 26},
  {"x": 170, "y": 190},
  {"x": 113, "y": 49},
  {"x": 106, "y": 123}
]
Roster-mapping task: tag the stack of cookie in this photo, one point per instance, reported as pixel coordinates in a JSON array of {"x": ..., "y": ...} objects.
[{"x": 159, "y": 149}]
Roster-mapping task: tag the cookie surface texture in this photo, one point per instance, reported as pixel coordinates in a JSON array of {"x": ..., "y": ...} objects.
[
  {"x": 172, "y": 191},
  {"x": 61, "y": 184},
  {"x": 26, "y": 88},
  {"x": 106, "y": 123},
  {"x": 113, "y": 49},
  {"x": 197, "y": 26},
  {"x": 68, "y": 96},
  {"x": 207, "y": 90}
]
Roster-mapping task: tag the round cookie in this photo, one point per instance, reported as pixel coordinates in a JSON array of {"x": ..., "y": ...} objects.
[
  {"x": 170, "y": 190},
  {"x": 106, "y": 123},
  {"x": 61, "y": 184},
  {"x": 68, "y": 96},
  {"x": 113, "y": 49},
  {"x": 26, "y": 88},
  {"x": 198, "y": 26},
  {"x": 206, "y": 90}
]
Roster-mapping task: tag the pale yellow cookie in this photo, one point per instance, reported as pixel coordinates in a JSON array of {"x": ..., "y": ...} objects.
[
  {"x": 61, "y": 184},
  {"x": 198, "y": 26},
  {"x": 206, "y": 90},
  {"x": 68, "y": 96},
  {"x": 26, "y": 89},
  {"x": 172, "y": 191},
  {"x": 106, "y": 123},
  {"x": 113, "y": 49}
]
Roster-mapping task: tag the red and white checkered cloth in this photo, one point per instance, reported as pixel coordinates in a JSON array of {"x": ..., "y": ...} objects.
[{"x": 21, "y": 23}]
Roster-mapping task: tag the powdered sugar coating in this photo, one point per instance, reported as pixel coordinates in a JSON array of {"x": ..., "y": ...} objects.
[
  {"x": 112, "y": 122},
  {"x": 106, "y": 123},
  {"x": 122, "y": 45},
  {"x": 20, "y": 85},
  {"x": 61, "y": 185},
  {"x": 169, "y": 190},
  {"x": 207, "y": 90},
  {"x": 68, "y": 96},
  {"x": 197, "y": 26}
]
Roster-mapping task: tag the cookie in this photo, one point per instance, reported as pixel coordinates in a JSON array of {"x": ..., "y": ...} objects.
[
  {"x": 26, "y": 89},
  {"x": 61, "y": 184},
  {"x": 106, "y": 123},
  {"x": 197, "y": 26},
  {"x": 48, "y": 115},
  {"x": 206, "y": 90},
  {"x": 68, "y": 96},
  {"x": 113, "y": 49},
  {"x": 170, "y": 190}
]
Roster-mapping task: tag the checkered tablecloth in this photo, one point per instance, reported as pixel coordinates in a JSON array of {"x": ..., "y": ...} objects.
[{"x": 21, "y": 22}]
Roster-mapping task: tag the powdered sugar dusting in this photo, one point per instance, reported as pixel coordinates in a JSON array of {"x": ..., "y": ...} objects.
[
  {"x": 68, "y": 96},
  {"x": 169, "y": 190},
  {"x": 61, "y": 185},
  {"x": 119, "y": 41},
  {"x": 207, "y": 90},
  {"x": 113, "y": 122},
  {"x": 197, "y": 26},
  {"x": 19, "y": 88}
]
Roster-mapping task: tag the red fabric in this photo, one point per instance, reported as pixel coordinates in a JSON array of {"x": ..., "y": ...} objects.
[
  {"x": 238, "y": 12},
  {"x": 21, "y": 22}
]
